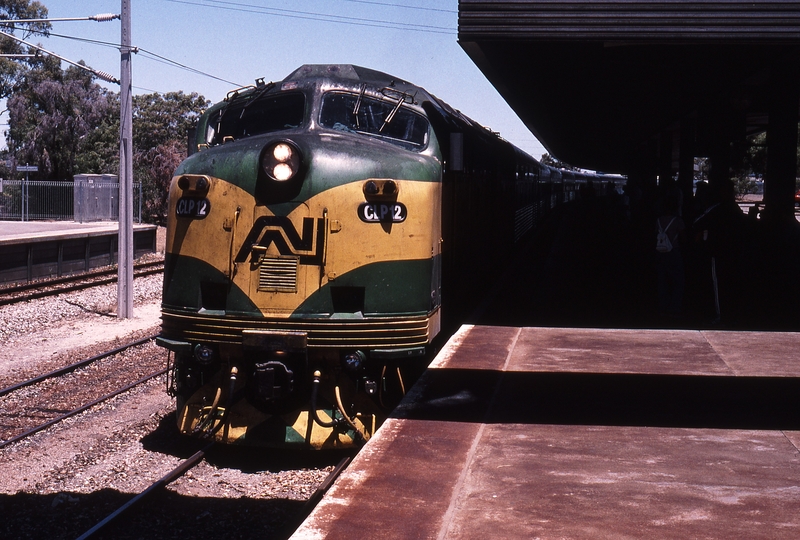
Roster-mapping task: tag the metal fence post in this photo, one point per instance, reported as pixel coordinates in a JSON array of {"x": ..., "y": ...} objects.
[{"x": 25, "y": 189}]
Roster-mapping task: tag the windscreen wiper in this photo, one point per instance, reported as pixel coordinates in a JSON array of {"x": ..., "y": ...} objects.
[
  {"x": 391, "y": 114},
  {"x": 402, "y": 97},
  {"x": 260, "y": 92},
  {"x": 358, "y": 103}
]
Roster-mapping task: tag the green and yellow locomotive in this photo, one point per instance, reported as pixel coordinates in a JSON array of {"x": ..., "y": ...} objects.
[{"x": 308, "y": 241}]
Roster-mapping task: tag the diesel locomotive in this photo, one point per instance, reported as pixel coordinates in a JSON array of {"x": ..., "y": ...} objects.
[{"x": 322, "y": 232}]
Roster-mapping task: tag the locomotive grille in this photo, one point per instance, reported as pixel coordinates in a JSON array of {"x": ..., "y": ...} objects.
[
  {"x": 372, "y": 332},
  {"x": 278, "y": 274}
]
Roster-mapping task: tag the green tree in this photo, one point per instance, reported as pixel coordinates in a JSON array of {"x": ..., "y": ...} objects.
[
  {"x": 11, "y": 70},
  {"x": 160, "y": 126},
  {"x": 51, "y": 114},
  {"x": 100, "y": 148},
  {"x": 65, "y": 123},
  {"x": 161, "y": 118}
]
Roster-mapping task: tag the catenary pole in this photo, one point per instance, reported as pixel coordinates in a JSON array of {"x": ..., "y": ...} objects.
[{"x": 125, "y": 241}]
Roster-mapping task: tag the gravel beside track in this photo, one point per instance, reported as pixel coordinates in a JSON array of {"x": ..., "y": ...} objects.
[{"x": 61, "y": 481}]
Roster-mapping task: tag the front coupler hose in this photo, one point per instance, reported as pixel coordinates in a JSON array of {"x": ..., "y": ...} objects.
[
  {"x": 335, "y": 423},
  {"x": 205, "y": 427}
]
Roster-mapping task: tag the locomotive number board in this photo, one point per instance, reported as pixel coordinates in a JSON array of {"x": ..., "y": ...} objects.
[
  {"x": 192, "y": 207},
  {"x": 382, "y": 212}
]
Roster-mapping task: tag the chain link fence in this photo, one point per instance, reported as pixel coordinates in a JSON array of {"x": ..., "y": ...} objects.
[{"x": 86, "y": 198}]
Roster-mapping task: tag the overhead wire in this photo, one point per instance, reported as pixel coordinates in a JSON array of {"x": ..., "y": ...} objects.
[
  {"x": 165, "y": 60},
  {"x": 150, "y": 55},
  {"x": 310, "y": 15},
  {"x": 96, "y": 72},
  {"x": 264, "y": 10},
  {"x": 403, "y": 6}
]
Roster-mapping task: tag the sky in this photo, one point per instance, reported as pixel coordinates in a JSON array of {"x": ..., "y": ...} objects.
[{"x": 224, "y": 44}]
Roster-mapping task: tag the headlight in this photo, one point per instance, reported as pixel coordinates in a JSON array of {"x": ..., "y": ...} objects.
[
  {"x": 282, "y": 172},
  {"x": 281, "y": 161},
  {"x": 282, "y": 152}
]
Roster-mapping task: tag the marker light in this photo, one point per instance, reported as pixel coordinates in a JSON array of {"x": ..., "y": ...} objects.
[
  {"x": 354, "y": 361},
  {"x": 204, "y": 354},
  {"x": 194, "y": 182},
  {"x": 371, "y": 188},
  {"x": 380, "y": 188}
]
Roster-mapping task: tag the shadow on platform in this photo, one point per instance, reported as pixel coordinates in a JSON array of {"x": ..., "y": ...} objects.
[{"x": 612, "y": 399}]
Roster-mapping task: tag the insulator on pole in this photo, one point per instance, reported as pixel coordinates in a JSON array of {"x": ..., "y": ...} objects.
[
  {"x": 104, "y": 17},
  {"x": 105, "y": 76}
]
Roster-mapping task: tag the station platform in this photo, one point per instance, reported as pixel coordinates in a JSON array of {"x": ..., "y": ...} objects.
[
  {"x": 40, "y": 249},
  {"x": 534, "y": 432}
]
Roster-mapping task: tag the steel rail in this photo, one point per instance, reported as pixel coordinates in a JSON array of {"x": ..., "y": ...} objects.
[
  {"x": 68, "y": 288},
  {"x": 325, "y": 485},
  {"x": 72, "y": 277},
  {"x": 80, "y": 409},
  {"x": 313, "y": 501},
  {"x": 72, "y": 367},
  {"x": 170, "y": 477},
  {"x": 191, "y": 462}
]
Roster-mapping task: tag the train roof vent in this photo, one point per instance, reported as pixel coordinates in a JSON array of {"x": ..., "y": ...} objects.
[{"x": 278, "y": 274}]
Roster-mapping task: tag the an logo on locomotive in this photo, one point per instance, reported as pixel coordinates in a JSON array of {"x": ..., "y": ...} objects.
[{"x": 279, "y": 230}]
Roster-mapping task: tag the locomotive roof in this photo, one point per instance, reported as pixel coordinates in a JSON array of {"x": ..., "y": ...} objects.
[
  {"x": 345, "y": 71},
  {"x": 355, "y": 76}
]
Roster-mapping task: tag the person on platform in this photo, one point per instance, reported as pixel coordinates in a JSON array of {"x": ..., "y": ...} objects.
[{"x": 670, "y": 232}]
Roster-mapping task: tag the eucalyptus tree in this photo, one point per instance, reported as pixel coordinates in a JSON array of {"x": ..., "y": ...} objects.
[
  {"x": 160, "y": 126},
  {"x": 52, "y": 115},
  {"x": 67, "y": 124},
  {"x": 12, "y": 68}
]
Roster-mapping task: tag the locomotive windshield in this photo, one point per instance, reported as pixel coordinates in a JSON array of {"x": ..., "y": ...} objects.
[
  {"x": 383, "y": 119},
  {"x": 261, "y": 114}
]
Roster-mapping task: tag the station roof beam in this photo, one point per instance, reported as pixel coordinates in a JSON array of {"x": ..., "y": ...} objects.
[{"x": 602, "y": 83}]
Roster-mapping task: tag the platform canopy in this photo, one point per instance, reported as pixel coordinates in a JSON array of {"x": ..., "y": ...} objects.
[{"x": 603, "y": 83}]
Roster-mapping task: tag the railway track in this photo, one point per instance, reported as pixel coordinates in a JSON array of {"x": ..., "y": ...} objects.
[
  {"x": 143, "y": 496},
  {"x": 61, "y": 481},
  {"x": 76, "y": 282},
  {"x": 82, "y": 472},
  {"x": 50, "y": 403},
  {"x": 114, "y": 518}
]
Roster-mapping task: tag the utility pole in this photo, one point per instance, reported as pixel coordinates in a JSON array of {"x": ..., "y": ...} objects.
[{"x": 125, "y": 240}]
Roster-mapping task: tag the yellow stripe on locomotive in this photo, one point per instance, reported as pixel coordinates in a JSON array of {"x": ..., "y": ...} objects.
[{"x": 333, "y": 255}]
